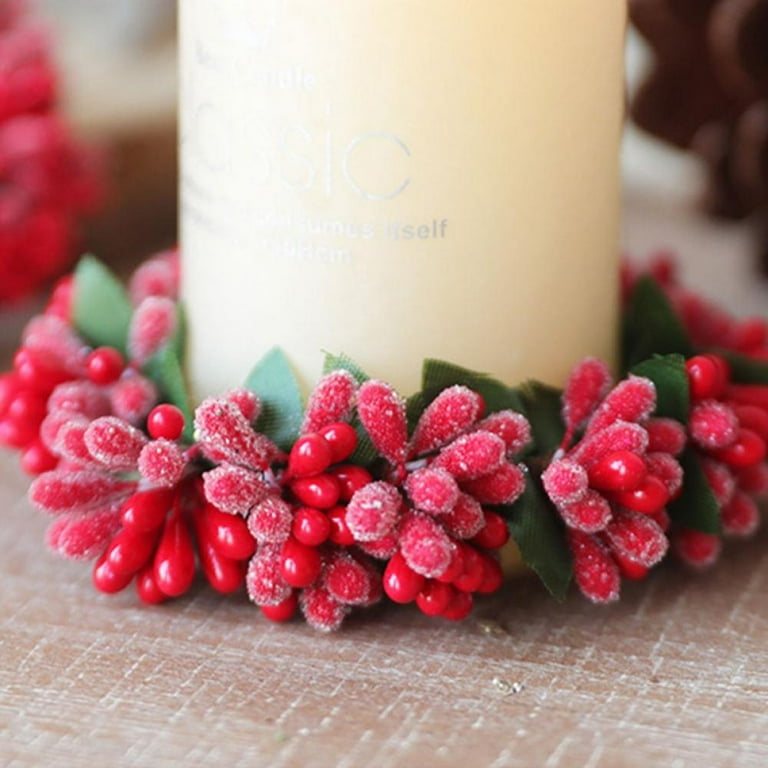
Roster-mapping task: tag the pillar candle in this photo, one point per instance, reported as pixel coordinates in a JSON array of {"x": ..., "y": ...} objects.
[{"x": 400, "y": 179}]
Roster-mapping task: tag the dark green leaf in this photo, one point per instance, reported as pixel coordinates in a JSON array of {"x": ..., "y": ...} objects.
[
  {"x": 745, "y": 370},
  {"x": 540, "y": 536},
  {"x": 669, "y": 375},
  {"x": 344, "y": 363},
  {"x": 696, "y": 507},
  {"x": 101, "y": 308},
  {"x": 542, "y": 406},
  {"x": 282, "y": 409},
  {"x": 651, "y": 325},
  {"x": 165, "y": 370}
]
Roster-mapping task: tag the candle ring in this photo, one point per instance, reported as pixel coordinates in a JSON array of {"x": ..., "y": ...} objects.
[{"x": 360, "y": 493}]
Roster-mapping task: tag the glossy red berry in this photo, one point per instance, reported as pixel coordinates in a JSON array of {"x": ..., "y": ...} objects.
[
  {"x": 351, "y": 479},
  {"x": 106, "y": 580},
  {"x": 129, "y": 551},
  {"x": 310, "y": 526},
  {"x": 320, "y": 491},
  {"x": 460, "y": 607},
  {"x": 707, "y": 376},
  {"x": 174, "y": 563},
  {"x": 650, "y": 496},
  {"x": 494, "y": 534},
  {"x": 165, "y": 421},
  {"x": 401, "y": 583},
  {"x": 300, "y": 565},
  {"x": 618, "y": 471},
  {"x": 283, "y": 611},
  {"x": 435, "y": 598},
  {"x": 105, "y": 365},
  {"x": 340, "y": 533},
  {"x": 38, "y": 371},
  {"x": 629, "y": 569},
  {"x": 37, "y": 459},
  {"x": 27, "y": 408},
  {"x": 455, "y": 568},
  {"x": 748, "y": 449},
  {"x": 472, "y": 575},
  {"x": 146, "y": 586},
  {"x": 147, "y": 510},
  {"x": 493, "y": 576},
  {"x": 310, "y": 455},
  {"x": 343, "y": 440},
  {"x": 228, "y": 534}
]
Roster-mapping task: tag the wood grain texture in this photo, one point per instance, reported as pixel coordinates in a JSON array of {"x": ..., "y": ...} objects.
[{"x": 675, "y": 675}]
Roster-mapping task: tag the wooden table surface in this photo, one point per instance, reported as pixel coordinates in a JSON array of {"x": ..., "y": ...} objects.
[{"x": 674, "y": 675}]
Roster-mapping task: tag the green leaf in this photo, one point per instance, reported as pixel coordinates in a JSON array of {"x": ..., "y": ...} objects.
[
  {"x": 101, "y": 307},
  {"x": 542, "y": 405},
  {"x": 165, "y": 370},
  {"x": 540, "y": 536},
  {"x": 344, "y": 363},
  {"x": 668, "y": 373},
  {"x": 745, "y": 370},
  {"x": 651, "y": 325},
  {"x": 438, "y": 375},
  {"x": 696, "y": 507},
  {"x": 282, "y": 407}
]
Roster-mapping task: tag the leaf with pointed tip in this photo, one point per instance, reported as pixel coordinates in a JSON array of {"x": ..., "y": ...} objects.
[
  {"x": 669, "y": 375},
  {"x": 696, "y": 507},
  {"x": 165, "y": 370}
]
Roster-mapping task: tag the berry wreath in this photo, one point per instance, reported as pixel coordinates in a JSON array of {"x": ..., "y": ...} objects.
[{"x": 361, "y": 493}]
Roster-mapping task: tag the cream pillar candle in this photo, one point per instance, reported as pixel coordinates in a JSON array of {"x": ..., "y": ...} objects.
[{"x": 396, "y": 179}]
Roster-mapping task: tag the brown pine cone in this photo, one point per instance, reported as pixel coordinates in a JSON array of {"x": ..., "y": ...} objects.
[{"x": 708, "y": 92}]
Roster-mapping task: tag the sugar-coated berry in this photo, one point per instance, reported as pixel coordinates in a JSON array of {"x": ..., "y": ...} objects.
[
  {"x": 310, "y": 526},
  {"x": 106, "y": 580},
  {"x": 228, "y": 534},
  {"x": 129, "y": 551},
  {"x": 650, "y": 496},
  {"x": 472, "y": 575},
  {"x": 174, "y": 563},
  {"x": 494, "y": 534},
  {"x": 695, "y": 548},
  {"x": 618, "y": 471},
  {"x": 340, "y": 533},
  {"x": 147, "y": 510},
  {"x": 311, "y": 455},
  {"x": 283, "y": 611},
  {"x": 747, "y": 450},
  {"x": 37, "y": 459},
  {"x": 146, "y": 587},
  {"x": 351, "y": 479},
  {"x": 299, "y": 564},
  {"x": 707, "y": 376},
  {"x": 342, "y": 438},
  {"x": 320, "y": 491},
  {"x": 165, "y": 421},
  {"x": 105, "y": 365},
  {"x": 460, "y": 607},
  {"x": 435, "y": 598},
  {"x": 401, "y": 583},
  {"x": 493, "y": 576}
]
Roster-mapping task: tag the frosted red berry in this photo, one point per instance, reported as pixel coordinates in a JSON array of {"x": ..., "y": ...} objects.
[
  {"x": 165, "y": 421},
  {"x": 105, "y": 365},
  {"x": 310, "y": 526},
  {"x": 300, "y": 565}
]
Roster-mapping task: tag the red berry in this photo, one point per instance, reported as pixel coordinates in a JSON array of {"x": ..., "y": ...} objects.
[
  {"x": 129, "y": 551},
  {"x": 147, "y": 510},
  {"x": 629, "y": 569},
  {"x": 649, "y": 497},
  {"x": 494, "y": 533},
  {"x": 618, "y": 471},
  {"x": 38, "y": 371},
  {"x": 37, "y": 459},
  {"x": 435, "y": 598},
  {"x": 455, "y": 569},
  {"x": 340, "y": 533},
  {"x": 460, "y": 607},
  {"x": 106, "y": 580},
  {"x": 224, "y": 574},
  {"x": 474, "y": 571},
  {"x": 351, "y": 479},
  {"x": 16, "y": 435},
  {"x": 493, "y": 576},
  {"x": 228, "y": 534},
  {"x": 282, "y": 611},
  {"x": 27, "y": 408},
  {"x": 401, "y": 583},
  {"x": 146, "y": 586},
  {"x": 343, "y": 440},
  {"x": 174, "y": 564},
  {"x": 696, "y": 548},
  {"x": 748, "y": 449},
  {"x": 320, "y": 491},
  {"x": 300, "y": 565},
  {"x": 9, "y": 386},
  {"x": 105, "y": 365},
  {"x": 310, "y": 455},
  {"x": 310, "y": 526},
  {"x": 707, "y": 376},
  {"x": 165, "y": 421}
]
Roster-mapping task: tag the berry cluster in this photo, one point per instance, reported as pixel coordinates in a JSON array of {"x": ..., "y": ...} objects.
[
  {"x": 46, "y": 181},
  {"x": 728, "y": 428},
  {"x": 612, "y": 485}
]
